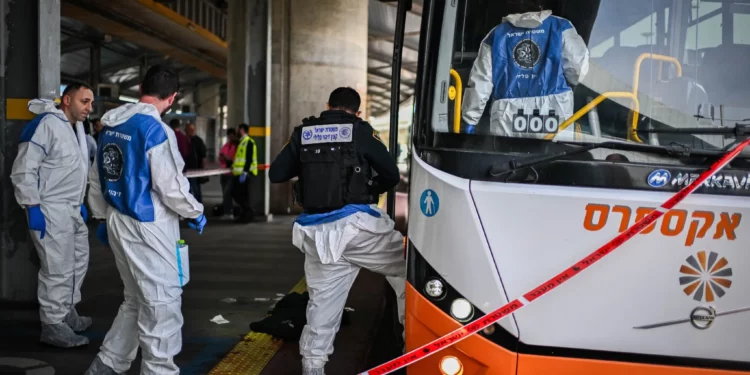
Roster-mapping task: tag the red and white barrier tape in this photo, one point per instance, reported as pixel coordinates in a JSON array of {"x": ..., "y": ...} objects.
[
  {"x": 206, "y": 172},
  {"x": 491, "y": 318},
  {"x": 215, "y": 172}
]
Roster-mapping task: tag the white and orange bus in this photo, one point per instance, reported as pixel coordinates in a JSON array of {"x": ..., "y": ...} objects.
[{"x": 492, "y": 216}]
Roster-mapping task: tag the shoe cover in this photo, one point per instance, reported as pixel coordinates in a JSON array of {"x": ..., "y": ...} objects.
[
  {"x": 61, "y": 335},
  {"x": 313, "y": 371},
  {"x": 99, "y": 368},
  {"x": 76, "y": 322}
]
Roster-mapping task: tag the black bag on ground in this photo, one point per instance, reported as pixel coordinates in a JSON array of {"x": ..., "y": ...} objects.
[{"x": 288, "y": 317}]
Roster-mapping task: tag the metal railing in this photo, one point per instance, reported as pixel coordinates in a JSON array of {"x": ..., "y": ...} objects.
[{"x": 203, "y": 13}]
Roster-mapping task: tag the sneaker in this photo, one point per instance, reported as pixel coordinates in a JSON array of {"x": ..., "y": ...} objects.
[{"x": 62, "y": 336}]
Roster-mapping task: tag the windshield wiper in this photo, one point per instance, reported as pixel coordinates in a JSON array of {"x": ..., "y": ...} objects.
[
  {"x": 675, "y": 149},
  {"x": 738, "y": 130}
]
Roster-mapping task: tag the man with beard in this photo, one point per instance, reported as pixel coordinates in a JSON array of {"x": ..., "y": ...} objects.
[
  {"x": 49, "y": 179},
  {"x": 139, "y": 192}
]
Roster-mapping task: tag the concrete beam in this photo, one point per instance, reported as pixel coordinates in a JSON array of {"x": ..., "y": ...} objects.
[
  {"x": 143, "y": 38},
  {"x": 130, "y": 62},
  {"x": 410, "y": 66},
  {"x": 71, "y": 44},
  {"x": 408, "y": 43},
  {"x": 404, "y": 82},
  {"x": 416, "y": 9}
]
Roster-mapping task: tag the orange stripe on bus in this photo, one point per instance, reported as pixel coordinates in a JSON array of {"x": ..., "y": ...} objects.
[{"x": 425, "y": 322}]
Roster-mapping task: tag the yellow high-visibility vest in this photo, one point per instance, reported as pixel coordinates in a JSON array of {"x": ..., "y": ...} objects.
[{"x": 240, "y": 157}]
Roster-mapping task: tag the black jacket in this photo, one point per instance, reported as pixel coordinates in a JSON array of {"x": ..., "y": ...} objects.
[{"x": 369, "y": 146}]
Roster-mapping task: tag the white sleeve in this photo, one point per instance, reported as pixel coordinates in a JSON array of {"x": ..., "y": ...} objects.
[
  {"x": 32, "y": 150},
  {"x": 96, "y": 199},
  {"x": 480, "y": 85},
  {"x": 167, "y": 179},
  {"x": 575, "y": 56}
]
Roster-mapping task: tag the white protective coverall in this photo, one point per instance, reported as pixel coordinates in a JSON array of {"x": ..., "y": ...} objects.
[
  {"x": 524, "y": 63},
  {"x": 334, "y": 253},
  {"x": 50, "y": 170},
  {"x": 138, "y": 187}
]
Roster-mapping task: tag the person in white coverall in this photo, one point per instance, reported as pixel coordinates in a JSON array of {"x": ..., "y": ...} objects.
[
  {"x": 527, "y": 62},
  {"x": 138, "y": 189},
  {"x": 49, "y": 179},
  {"x": 337, "y": 241}
]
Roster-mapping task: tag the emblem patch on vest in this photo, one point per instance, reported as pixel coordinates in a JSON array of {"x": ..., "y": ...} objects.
[
  {"x": 112, "y": 162},
  {"x": 328, "y": 133},
  {"x": 526, "y": 53},
  {"x": 376, "y": 135}
]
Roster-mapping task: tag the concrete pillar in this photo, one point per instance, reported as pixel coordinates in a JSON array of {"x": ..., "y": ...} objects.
[
  {"x": 207, "y": 99},
  {"x": 247, "y": 85},
  {"x": 321, "y": 45},
  {"x": 29, "y": 32},
  {"x": 237, "y": 35},
  {"x": 258, "y": 98},
  {"x": 95, "y": 64}
]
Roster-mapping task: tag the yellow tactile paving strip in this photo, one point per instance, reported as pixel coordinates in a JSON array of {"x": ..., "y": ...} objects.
[{"x": 252, "y": 354}]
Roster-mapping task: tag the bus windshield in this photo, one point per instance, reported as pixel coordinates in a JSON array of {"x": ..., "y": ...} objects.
[{"x": 594, "y": 70}]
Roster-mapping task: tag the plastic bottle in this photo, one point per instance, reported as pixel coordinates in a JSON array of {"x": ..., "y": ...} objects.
[{"x": 183, "y": 262}]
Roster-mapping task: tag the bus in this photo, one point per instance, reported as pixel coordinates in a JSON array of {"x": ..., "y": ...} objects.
[{"x": 494, "y": 213}]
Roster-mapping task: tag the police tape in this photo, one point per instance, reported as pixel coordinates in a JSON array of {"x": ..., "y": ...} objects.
[
  {"x": 215, "y": 172},
  {"x": 206, "y": 172},
  {"x": 466, "y": 331}
]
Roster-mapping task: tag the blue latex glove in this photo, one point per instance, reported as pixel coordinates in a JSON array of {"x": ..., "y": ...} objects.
[
  {"x": 84, "y": 213},
  {"x": 36, "y": 220},
  {"x": 198, "y": 223},
  {"x": 101, "y": 233},
  {"x": 470, "y": 129},
  {"x": 243, "y": 177}
]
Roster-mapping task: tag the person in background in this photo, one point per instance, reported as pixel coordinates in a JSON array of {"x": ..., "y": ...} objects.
[
  {"x": 138, "y": 191},
  {"x": 341, "y": 230},
  {"x": 196, "y": 160},
  {"x": 226, "y": 158},
  {"x": 49, "y": 179},
  {"x": 241, "y": 169},
  {"x": 183, "y": 141},
  {"x": 90, "y": 141},
  {"x": 97, "y": 123}
]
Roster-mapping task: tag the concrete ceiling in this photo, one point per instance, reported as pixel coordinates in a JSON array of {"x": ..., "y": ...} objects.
[
  {"x": 382, "y": 25},
  {"x": 120, "y": 60}
]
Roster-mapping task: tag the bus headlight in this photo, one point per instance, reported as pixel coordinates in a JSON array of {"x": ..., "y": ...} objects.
[
  {"x": 450, "y": 365},
  {"x": 462, "y": 310},
  {"x": 434, "y": 288}
]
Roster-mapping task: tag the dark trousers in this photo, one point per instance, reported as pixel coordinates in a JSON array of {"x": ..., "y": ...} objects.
[
  {"x": 227, "y": 181},
  {"x": 195, "y": 189},
  {"x": 241, "y": 195}
]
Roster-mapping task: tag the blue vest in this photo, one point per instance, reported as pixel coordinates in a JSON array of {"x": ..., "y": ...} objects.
[
  {"x": 528, "y": 62},
  {"x": 124, "y": 172}
]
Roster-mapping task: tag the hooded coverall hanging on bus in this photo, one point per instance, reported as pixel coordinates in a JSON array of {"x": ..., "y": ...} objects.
[
  {"x": 138, "y": 189},
  {"x": 527, "y": 62},
  {"x": 49, "y": 179},
  {"x": 341, "y": 230}
]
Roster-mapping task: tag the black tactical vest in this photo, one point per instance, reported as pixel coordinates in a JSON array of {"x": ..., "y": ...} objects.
[{"x": 332, "y": 173}]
